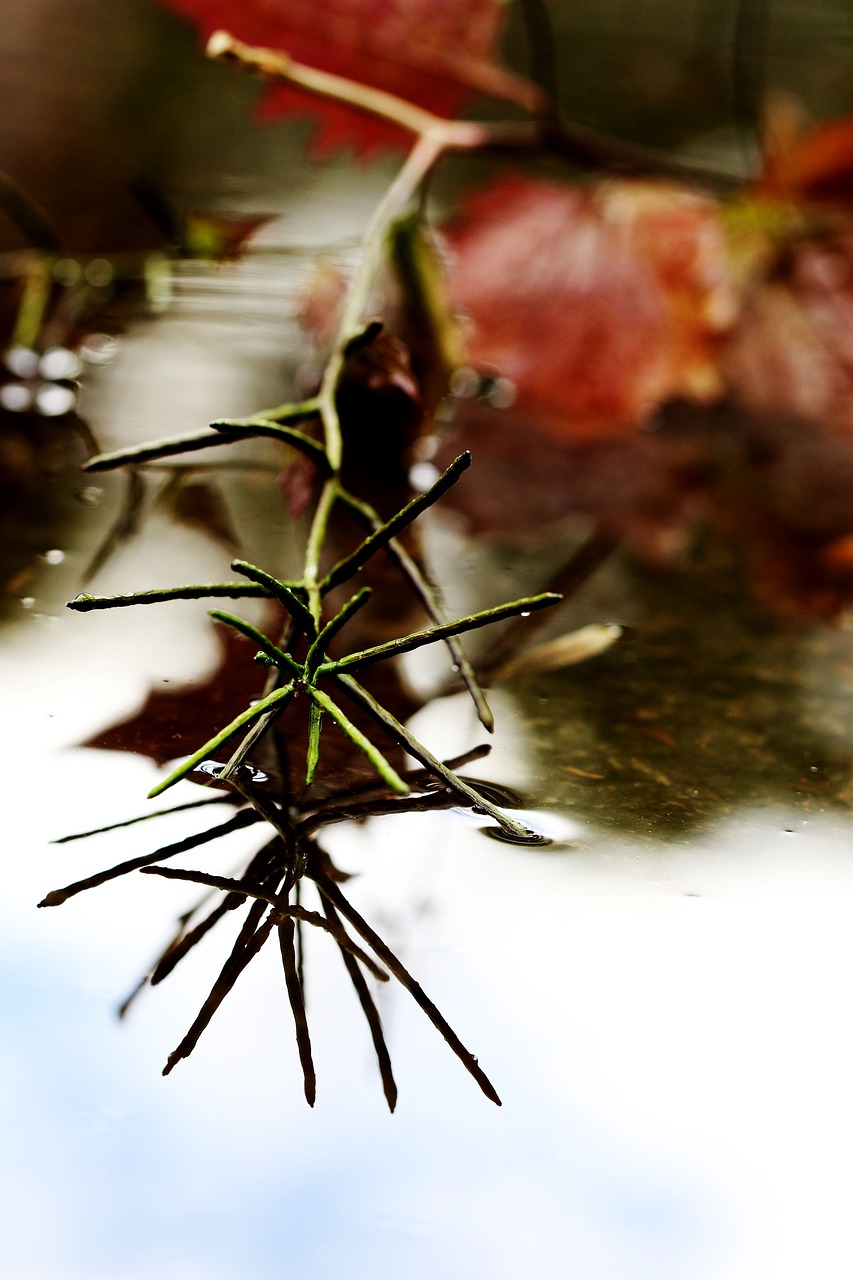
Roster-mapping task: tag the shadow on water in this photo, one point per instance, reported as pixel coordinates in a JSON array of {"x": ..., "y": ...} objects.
[{"x": 706, "y": 707}]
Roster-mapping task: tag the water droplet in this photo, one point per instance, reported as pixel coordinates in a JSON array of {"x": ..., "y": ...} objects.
[
  {"x": 422, "y": 475},
  {"x": 67, "y": 271},
  {"x": 464, "y": 383},
  {"x": 59, "y": 362},
  {"x": 526, "y": 614},
  {"x": 99, "y": 348},
  {"x": 90, "y": 496},
  {"x": 15, "y": 397},
  {"x": 21, "y": 361},
  {"x": 254, "y": 775},
  {"x": 27, "y": 602},
  {"x": 53, "y": 401},
  {"x": 54, "y": 556},
  {"x": 501, "y": 393},
  {"x": 99, "y": 272}
]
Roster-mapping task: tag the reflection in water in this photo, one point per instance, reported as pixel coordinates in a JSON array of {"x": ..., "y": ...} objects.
[{"x": 655, "y": 992}]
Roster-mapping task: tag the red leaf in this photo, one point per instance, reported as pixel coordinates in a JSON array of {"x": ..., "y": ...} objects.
[
  {"x": 814, "y": 165},
  {"x": 600, "y": 304},
  {"x": 792, "y": 351},
  {"x": 435, "y": 53}
]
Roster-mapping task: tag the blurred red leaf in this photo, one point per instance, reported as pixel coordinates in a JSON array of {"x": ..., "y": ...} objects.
[
  {"x": 435, "y": 53},
  {"x": 791, "y": 353},
  {"x": 806, "y": 165},
  {"x": 599, "y": 303}
]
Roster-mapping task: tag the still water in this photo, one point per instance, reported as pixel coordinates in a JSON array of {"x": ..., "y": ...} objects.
[{"x": 659, "y": 995}]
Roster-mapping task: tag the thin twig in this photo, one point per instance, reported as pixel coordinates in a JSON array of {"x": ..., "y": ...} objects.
[
  {"x": 369, "y": 1009},
  {"x": 245, "y": 818},
  {"x": 227, "y": 590},
  {"x": 429, "y": 597},
  {"x": 249, "y": 942},
  {"x": 144, "y": 817},
  {"x": 417, "y": 639},
  {"x": 469, "y": 796},
  {"x": 244, "y": 889},
  {"x": 297, "y": 1007},
  {"x": 332, "y": 893},
  {"x": 380, "y": 537}
]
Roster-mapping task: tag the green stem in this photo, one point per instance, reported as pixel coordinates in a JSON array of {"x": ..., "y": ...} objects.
[
  {"x": 315, "y": 725},
  {"x": 429, "y": 598},
  {"x": 385, "y": 770},
  {"x": 314, "y": 547},
  {"x": 213, "y": 744},
  {"x": 401, "y": 735},
  {"x": 230, "y": 590},
  {"x": 417, "y": 639},
  {"x": 283, "y": 592},
  {"x": 154, "y": 449},
  {"x": 380, "y": 537},
  {"x": 278, "y": 656},
  {"x": 251, "y": 428},
  {"x": 318, "y": 649},
  {"x": 34, "y": 302}
]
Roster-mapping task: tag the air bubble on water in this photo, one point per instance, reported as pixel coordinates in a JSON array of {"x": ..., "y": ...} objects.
[
  {"x": 53, "y": 401},
  {"x": 21, "y": 361},
  {"x": 246, "y": 771},
  {"x": 213, "y": 767},
  {"x": 59, "y": 362},
  {"x": 54, "y": 556},
  {"x": 27, "y": 602},
  {"x": 525, "y": 614},
  {"x": 15, "y": 397}
]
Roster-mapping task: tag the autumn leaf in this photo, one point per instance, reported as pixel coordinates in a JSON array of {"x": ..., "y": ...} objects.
[
  {"x": 598, "y": 303},
  {"x": 173, "y": 722},
  {"x": 791, "y": 353},
  {"x": 434, "y": 53},
  {"x": 803, "y": 165}
]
